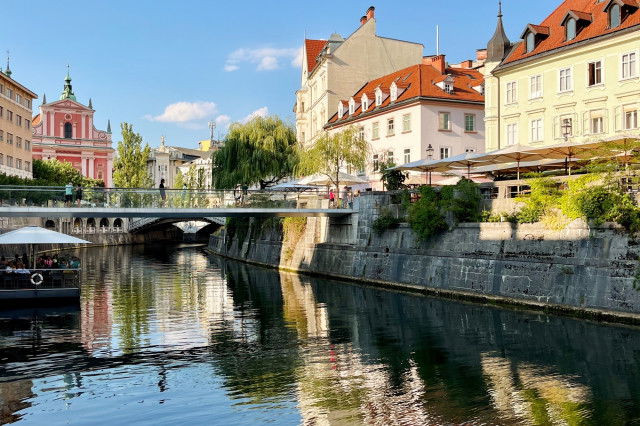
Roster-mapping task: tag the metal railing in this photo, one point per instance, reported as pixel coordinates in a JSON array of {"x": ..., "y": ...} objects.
[
  {"x": 151, "y": 198},
  {"x": 39, "y": 279}
]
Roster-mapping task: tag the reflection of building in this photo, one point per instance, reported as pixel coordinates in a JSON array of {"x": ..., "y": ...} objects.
[
  {"x": 426, "y": 105},
  {"x": 334, "y": 69},
  {"x": 64, "y": 130},
  {"x": 15, "y": 126},
  {"x": 165, "y": 161},
  {"x": 576, "y": 75}
]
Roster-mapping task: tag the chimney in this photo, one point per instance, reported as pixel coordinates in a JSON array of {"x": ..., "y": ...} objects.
[
  {"x": 436, "y": 61},
  {"x": 468, "y": 64},
  {"x": 371, "y": 13},
  {"x": 481, "y": 55},
  {"x": 363, "y": 20}
]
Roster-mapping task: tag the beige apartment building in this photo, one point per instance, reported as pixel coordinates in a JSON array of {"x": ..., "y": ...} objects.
[
  {"x": 15, "y": 126},
  {"x": 336, "y": 68}
]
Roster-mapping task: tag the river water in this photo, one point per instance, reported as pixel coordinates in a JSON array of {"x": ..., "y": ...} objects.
[{"x": 170, "y": 335}]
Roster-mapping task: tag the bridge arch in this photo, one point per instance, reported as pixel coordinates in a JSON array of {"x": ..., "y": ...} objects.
[
  {"x": 50, "y": 224},
  {"x": 78, "y": 223},
  {"x": 117, "y": 223},
  {"x": 91, "y": 223},
  {"x": 104, "y": 222}
]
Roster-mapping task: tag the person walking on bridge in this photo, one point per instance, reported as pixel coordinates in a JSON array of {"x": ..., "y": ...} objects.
[
  {"x": 68, "y": 194},
  {"x": 163, "y": 194}
]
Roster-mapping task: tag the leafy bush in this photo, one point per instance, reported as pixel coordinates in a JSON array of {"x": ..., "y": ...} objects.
[
  {"x": 384, "y": 222},
  {"x": 393, "y": 179},
  {"x": 544, "y": 196},
  {"x": 463, "y": 200},
  {"x": 425, "y": 217}
]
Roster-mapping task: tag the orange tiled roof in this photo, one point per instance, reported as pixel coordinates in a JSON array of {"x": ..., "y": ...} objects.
[
  {"x": 36, "y": 120},
  {"x": 313, "y": 49},
  {"x": 588, "y": 10},
  {"x": 415, "y": 82}
]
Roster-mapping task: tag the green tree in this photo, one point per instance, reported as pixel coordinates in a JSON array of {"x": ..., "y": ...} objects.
[
  {"x": 59, "y": 173},
  {"x": 332, "y": 153},
  {"x": 179, "y": 181},
  {"x": 262, "y": 151},
  {"x": 130, "y": 166},
  {"x": 393, "y": 180}
]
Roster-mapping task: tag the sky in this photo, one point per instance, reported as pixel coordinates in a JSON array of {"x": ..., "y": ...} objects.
[{"x": 170, "y": 67}]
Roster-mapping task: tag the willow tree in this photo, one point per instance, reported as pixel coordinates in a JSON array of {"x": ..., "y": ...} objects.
[
  {"x": 130, "y": 165},
  {"x": 331, "y": 154},
  {"x": 262, "y": 151}
]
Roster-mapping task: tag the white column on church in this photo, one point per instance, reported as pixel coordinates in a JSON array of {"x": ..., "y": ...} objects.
[
  {"x": 91, "y": 164},
  {"x": 108, "y": 173}
]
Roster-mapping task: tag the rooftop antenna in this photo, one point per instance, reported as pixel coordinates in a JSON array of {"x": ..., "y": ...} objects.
[
  {"x": 437, "y": 40},
  {"x": 212, "y": 129},
  {"x": 8, "y": 70}
]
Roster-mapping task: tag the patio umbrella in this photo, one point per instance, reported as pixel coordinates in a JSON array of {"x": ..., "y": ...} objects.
[
  {"x": 293, "y": 186},
  {"x": 514, "y": 153},
  {"x": 322, "y": 179},
  {"x": 466, "y": 160},
  {"x": 32, "y": 235}
]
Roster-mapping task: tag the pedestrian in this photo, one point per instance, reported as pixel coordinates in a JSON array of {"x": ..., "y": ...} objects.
[
  {"x": 332, "y": 198},
  {"x": 68, "y": 194},
  {"x": 344, "y": 197},
  {"x": 163, "y": 193},
  {"x": 79, "y": 194}
]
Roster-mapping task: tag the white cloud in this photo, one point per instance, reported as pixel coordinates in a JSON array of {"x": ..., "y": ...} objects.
[
  {"x": 265, "y": 59},
  {"x": 260, "y": 112},
  {"x": 182, "y": 112},
  {"x": 223, "y": 121}
]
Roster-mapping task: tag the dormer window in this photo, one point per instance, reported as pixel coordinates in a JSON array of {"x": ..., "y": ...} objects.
[
  {"x": 352, "y": 106},
  {"x": 448, "y": 87},
  {"x": 340, "y": 109},
  {"x": 615, "y": 16},
  {"x": 618, "y": 10},
  {"x": 394, "y": 92},
  {"x": 365, "y": 102},
  {"x": 531, "y": 42},
  {"x": 571, "y": 29},
  {"x": 533, "y": 35},
  {"x": 378, "y": 97}
]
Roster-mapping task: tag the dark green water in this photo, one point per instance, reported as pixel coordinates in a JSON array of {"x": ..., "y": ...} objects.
[{"x": 170, "y": 335}]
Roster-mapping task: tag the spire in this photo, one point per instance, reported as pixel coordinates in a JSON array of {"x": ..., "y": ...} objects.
[
  {"x": 67, "y": 93},
  {"x": 109, "y": 126},
  {"x": 499, "y": 45},
  {"x": 90, "y": 104},
  {"x": 44, "y": 99},
  {"x": 8, "y": 70}
]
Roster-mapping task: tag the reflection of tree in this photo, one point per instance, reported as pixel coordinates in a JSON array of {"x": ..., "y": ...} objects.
[{"x": 132, "y": 304}]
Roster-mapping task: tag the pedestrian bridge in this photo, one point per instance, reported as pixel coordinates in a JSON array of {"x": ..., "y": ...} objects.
[{"x": 182, "y": 204}]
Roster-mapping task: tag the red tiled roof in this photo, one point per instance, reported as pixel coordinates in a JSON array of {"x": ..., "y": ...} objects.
[
  {"x": 418, "y": 81},
  {"x": 313, "y": 49},
  {"x": 36, "y": 120},
  {"x": 584, "y": 9}
]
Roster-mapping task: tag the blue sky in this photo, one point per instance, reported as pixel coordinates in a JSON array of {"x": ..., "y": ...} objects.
[{"x": 170, "y": 67}]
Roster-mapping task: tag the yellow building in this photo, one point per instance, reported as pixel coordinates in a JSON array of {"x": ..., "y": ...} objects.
[
  {"x": 573, "y": 77},
  {"x": 15, "y": 126}
]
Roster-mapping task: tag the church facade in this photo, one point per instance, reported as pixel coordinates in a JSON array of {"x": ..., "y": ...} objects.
[{"x": 64, "y": 130}]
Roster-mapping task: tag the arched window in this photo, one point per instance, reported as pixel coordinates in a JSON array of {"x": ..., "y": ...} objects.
[
  {"x": 104, "y": 222},
  {"x": 615, "y": 16},
  {"x": 117, "y": 223},
  {"x": 68, "y": 130},
  {"x": 531, "y": 42},
  {"x": 91, "y": 223},
  {"x": 571, "y": 29},
  {"x": 50, "y": 224}
]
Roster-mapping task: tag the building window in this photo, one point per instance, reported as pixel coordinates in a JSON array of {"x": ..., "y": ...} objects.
[
  {"x": 391, "y": 127},
  {"x": 27, "y": 124},
  {"x": 615, "y": 16},
  {"x": 1, "y": 112},
  {"x": 376, "y": 163},
  {"x": 565, "y": 83},
  {"x": 595, "y": 73},
  {"x": 68, "y": 130},
  {"x": 375, "y": 130},
  {"x": 407, "y": 156},
  {"x": 19, "y": 120},
  {"x": 535, "y": 87},
  {"x": 536, "y": 130},
  {"x": 393, "y": 92},
  {"x": 406, "y": 123},
  {"x": 444, "y": 121},
  {"x": 631, "y": 120},
  {"x": 629, "y": 65},
  {"x": 27, "y": 145},
  {"x": 1, "y": 135},
  {"x": 9, "y": 161},
  {"x": 18, "y": 163},
  {"x": 365, "y": 103},
  {"x": 571, "y": 29},
  {"x": 597, "y": 125},
  {"x": 27, "y": 166},
  {"x": 1, "y": 159},
  {"x": 512, "y": 92},
  {"x": 512, "y": 134},
  {"x": 361, "y": 133},
  {"x": 469, "y": 122},
  {"x": 18, "y": 142},
  {"x": 352, "y": 106},
  {"x": 531, "y": 42},
  {"x": 9, "y": 138},
  {"x": 390, "y": 157},
  {"x": 10, "y": 116},
  {"x": 445, "y": 152},
  {"x": 378, "y": 97}
]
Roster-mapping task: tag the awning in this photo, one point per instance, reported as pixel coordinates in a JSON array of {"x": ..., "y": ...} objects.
[{"x": 37, "y": 235}]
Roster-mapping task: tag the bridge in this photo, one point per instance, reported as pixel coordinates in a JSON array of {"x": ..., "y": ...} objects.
[{"x": 147, "y": 207}]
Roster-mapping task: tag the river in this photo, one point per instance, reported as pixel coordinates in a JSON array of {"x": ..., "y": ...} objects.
[{"x": 171, "y": 335}]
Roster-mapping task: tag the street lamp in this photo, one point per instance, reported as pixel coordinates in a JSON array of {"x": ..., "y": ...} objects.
[
  {"x": 429, "y": 157},
  {"x": 567, "y": 130}
]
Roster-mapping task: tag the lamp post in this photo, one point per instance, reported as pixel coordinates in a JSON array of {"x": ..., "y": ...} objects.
[
  {"x": 429, "y": 157},
  {"x": 567, "y": 130}
]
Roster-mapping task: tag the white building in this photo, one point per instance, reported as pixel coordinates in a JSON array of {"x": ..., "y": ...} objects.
[
  {"x": 165, "y": 162},
  {"x": 334, "y": 69},
  {"x": 404, "y": 113},
  {"x": 202, "y": 166}
]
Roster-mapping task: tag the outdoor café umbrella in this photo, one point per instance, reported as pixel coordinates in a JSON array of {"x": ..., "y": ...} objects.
[
  {"x": 424, "y": 165},
  {"x": 33, "y": 235},
  {"x": 514, "y": 153},
  {"x": 467, "y": 160},
  {"x": 322, "y": 179}
]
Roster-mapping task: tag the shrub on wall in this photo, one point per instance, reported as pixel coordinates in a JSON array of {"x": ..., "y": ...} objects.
[
  {"x": 384, "y": 222},
  {"x": 425, "y": 217}
]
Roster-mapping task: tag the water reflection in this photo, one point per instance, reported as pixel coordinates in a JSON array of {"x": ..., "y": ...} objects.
[{"x": 173, "y": 335}]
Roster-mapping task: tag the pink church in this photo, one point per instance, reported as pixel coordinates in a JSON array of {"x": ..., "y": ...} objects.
[{"x": 64, "y": 130}]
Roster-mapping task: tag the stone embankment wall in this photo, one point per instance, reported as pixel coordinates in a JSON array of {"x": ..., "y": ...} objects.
[{"x": 590, "y": 271}]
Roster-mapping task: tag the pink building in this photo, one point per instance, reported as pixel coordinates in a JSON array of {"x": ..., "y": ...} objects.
[{"x": 64, "y": 130}]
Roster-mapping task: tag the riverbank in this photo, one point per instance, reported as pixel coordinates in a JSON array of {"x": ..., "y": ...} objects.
[{"x": 579, "y": 271}]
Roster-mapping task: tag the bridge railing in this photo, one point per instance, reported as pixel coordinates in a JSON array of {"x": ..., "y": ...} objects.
[{"x": 152, "y": 198}]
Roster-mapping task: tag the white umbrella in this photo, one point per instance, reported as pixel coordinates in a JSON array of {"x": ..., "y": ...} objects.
[
  {"x": 293, "y": 186},
  {"x": 322, "y": 179},
  {"x": 33, "y": 235}
]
